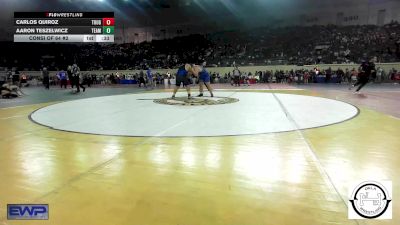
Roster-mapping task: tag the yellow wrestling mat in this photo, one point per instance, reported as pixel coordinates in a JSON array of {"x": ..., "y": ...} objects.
[{"x": 294, "y": 177}]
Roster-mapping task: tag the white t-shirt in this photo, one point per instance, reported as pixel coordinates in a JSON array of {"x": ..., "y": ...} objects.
[{"x": 236, "y": 72}]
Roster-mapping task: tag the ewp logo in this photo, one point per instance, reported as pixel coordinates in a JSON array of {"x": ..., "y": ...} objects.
[{"x": 28, "y": 212}]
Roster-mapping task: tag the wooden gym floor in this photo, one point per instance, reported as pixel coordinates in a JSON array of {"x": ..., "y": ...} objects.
[{"x": 297, "y": 177}]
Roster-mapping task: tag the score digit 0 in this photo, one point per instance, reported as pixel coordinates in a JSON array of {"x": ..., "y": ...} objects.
[
  {"x": 108, "y": 21},
  {"x": 108, "y": 30}
]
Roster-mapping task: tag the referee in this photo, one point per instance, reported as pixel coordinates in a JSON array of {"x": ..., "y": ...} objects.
[
  {"x": 367, "y": 69},
  {"x": 77, "y": 79}
]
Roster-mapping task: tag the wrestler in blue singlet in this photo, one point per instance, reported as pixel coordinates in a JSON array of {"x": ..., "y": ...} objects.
[{"x": 204, "y": 76}]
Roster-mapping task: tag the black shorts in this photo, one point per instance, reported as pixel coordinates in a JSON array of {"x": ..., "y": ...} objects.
[{"x": 182, "y": 80}]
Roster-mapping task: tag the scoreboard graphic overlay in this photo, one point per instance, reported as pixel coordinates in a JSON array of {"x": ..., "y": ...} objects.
[{"x": 64, "y": 26}]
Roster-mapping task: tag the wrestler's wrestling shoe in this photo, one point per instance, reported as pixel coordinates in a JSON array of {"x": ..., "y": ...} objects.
[{"x": 200, "y": 95}]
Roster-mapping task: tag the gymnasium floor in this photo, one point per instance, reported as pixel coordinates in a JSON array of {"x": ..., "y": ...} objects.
[{"x": 288, "y": 158}]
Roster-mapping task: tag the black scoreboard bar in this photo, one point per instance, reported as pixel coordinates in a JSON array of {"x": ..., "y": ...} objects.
[{"x": 64, "y": 26}]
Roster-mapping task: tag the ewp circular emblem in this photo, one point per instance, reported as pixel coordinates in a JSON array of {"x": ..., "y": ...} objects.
[
  {"x": 196, "y": 101},
  {"x": 370, "y": 199}
]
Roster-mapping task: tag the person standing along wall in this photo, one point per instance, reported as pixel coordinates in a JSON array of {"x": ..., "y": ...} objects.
[
  {"x": 236, "y": 76},
  {"x": 46, "y": 78},
  {"x": 62, "y": 76},
  {"x": 70, "y": 77},
  {"x": 149, "y": 78},
  {"x": 77, "y": 78}
]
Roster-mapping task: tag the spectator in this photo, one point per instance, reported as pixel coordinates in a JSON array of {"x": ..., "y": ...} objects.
[{"x": 62, "y": 77}]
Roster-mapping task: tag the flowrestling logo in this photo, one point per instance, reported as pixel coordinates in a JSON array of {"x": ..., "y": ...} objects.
[
  {"x": 27, "y": 212},
  {"x": 370, "y": 200}
]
